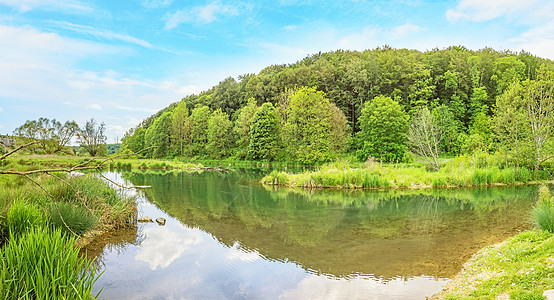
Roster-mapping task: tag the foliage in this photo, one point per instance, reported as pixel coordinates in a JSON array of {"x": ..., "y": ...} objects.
[
  {"x": 306, "y": 126},
  {"x": 467, "y": 90},
  {"x": 538, "y": 97},
  {"x": 92, "y": 138},
  {"x": 44, "y": 265},
  {"x": 264, "y": 134},
  {"x": 180, "y": 131},
  {"x": 219, "y": 135},
  {"x": 384, "y": 125},
  {"x": 52, "y": 135},
  {"x": 242, "y": 127},
  {"x": 200, "y": 117},
  {"x": 159, "y": 136}
]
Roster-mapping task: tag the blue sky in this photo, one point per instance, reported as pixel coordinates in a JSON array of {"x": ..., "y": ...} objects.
[{"x": 121, "y": 61}]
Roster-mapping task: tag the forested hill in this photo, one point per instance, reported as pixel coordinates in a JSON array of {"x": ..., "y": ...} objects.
[{"x": 457, "y": 84}]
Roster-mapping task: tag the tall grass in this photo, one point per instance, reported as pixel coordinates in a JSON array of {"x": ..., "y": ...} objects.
[
  {"x": 543, "y": 212},
  {"x": 70, "y": 219},
  {"x": 23, "y": 217},
  {"x": 462, "y": 171},
  {"x": 44, "y": 265}
]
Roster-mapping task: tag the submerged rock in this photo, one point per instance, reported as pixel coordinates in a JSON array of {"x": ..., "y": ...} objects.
[
  {"x": 160, "y": 221},
  {"x": 144, "y": 219}
]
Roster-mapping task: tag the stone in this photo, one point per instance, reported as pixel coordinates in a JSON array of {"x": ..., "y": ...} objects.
[
  {"x": 160, "y": 221},
  {"x": 144, "y": 219},
  {"x": 548, "y": 294}
]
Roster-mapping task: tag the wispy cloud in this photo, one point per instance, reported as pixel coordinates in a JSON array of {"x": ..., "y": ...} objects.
[
  {"x": 405, "y": 29},
  {"x": 200, "y": 14},
  {"x": 290, "y": 27},
  {"x": 1, "y": 109},
  {"x": 71, "y": 6},
  {"x": 156, "y": 3},
  {"x": 94, "y": 106},
  {"x": 479, "y": 10},
  {"x": 106, "y": 34}
]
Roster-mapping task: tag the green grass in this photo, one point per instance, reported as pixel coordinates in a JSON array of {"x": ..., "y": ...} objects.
[
  {"x": 70, "y": 219},
  {"x": 521, "y": 268},
  {"x": 462, "y": 171},
  {"x": 44, "y": 265}
]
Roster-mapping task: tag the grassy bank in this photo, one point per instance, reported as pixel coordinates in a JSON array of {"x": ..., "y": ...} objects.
[
  {"x": 519, "y": 268},
  {"x": 39, "y": 227},
  {"x": 462, "y": 171}
]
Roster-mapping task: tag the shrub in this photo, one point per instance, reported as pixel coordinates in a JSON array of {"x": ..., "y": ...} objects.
[{"x": 44, "y": 265}]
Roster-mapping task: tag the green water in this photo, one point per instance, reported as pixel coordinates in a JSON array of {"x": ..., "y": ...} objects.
[{"x": 234, "y": 238}]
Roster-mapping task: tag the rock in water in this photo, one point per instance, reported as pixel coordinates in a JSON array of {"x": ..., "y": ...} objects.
[
  {"x": 144, "y": 219},
  {"x": 160, "y": 221}
]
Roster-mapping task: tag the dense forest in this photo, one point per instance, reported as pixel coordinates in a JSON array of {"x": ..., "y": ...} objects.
[{"x": 370, "y": 104}]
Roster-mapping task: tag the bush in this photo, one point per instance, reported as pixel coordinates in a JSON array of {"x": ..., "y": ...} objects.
[{"x": 44, "y": 265}]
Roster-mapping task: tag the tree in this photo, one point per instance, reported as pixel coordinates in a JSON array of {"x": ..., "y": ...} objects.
[
  {"x": 219, "y": 135},
  {"x": 52, "y": 136},
  {"x": 158, "y": 135},
  {"x": 199, "y": 119},
  {"x": 264, "y": 134},
  {"x": 538, "y": 97},
  {"x": 384, "y": 125},
  {"x": 509, "y": 123},
  {"x": 179, "y": 129},
  {"x": 306, "y": 133},
  {"x": 425, "y": 135},
  {"x": 242, "y": 128},
  {"x": 91, "y": 137},
  {"x": 340, "y": 131}
]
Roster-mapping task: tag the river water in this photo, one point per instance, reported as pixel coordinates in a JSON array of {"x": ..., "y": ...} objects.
[{"x": 229, "y": 237}]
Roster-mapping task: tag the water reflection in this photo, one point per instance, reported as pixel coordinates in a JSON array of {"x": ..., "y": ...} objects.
[
  {"x": 162, "y": 246},
  {"x": 229, "y": 237}
]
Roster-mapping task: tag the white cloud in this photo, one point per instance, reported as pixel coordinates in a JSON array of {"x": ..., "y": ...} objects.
[
  {"x": 484, "y": 10},
  {"x": 200, "y": 14},
  {"x": 156, "y": 3},
  {"x": 363, "y": 40},
  {"x": 538, "y": 40},
  {"x": 237, "y": 253},
  {"x": 94, "y": 106},
  {"x": 1, "y": 109},
  {"x": 162, "y": 246},
  {"x": 405, "y": 29},
  {"x": 290, "y": 27},
  {"x": 65, "y": 5},
  {"x": 103, "y": 34}
]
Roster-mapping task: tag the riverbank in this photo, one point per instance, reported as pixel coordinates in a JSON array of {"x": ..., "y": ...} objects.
[
  {"x": 461, "y": 171},
  {"x": 42, "y": 218},
  {"x": 518, "y": 268}
]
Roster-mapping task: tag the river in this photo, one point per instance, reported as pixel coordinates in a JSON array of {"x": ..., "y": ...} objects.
[{"x": 229, "y": 237}]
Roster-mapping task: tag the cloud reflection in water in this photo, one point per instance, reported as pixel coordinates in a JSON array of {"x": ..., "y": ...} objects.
[{"x": 162, "y": 245}]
